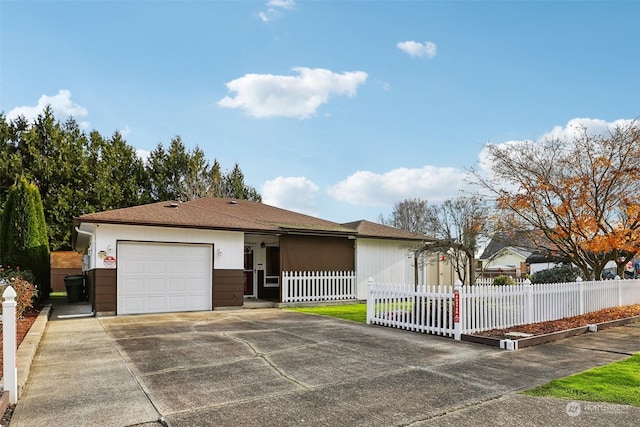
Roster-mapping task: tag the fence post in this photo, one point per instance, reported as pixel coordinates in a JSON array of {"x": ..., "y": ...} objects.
[
  {"x": 283, "y": 287},
  {"x": 528, "y": 301},
  {"x": 619, "y": 293},
  {"x": 457, "y": 312},
  {"x": 9, "y": 343},
  {"x": 581, "y": 293},
  {"x": 370, "y": 301}
]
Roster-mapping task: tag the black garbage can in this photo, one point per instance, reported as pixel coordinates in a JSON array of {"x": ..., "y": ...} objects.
[{"x": 75, "y": 288}]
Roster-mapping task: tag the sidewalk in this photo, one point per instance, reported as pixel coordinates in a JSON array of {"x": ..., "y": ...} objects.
[{"x": 84, "y": 376}]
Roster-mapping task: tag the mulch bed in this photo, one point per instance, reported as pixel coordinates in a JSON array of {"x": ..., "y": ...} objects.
[{"x": 567, "y": 323}]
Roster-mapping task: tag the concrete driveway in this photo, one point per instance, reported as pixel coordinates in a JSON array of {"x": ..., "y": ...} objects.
[{"x": 272, "y": 367}]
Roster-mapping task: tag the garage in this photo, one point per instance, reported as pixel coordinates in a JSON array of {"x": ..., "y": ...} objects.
[{"x": 163, "y": 277}]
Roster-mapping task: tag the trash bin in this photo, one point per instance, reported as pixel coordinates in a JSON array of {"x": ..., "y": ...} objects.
[{"x": 75, "y": 288}]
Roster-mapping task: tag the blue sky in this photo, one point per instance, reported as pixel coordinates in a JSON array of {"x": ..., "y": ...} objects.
[{"x": 337, "y": 109}]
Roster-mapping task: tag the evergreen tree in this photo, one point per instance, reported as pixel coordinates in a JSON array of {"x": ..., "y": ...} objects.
[
  {"x": 24, "y": 239},
  {"x": 79, "y": 173}
]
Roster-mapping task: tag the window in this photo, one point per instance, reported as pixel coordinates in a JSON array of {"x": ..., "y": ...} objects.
[{"x": 272, "y": 277}]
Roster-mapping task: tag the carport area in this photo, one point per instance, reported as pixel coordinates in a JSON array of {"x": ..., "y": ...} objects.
[{"x": 269, "y": 367}]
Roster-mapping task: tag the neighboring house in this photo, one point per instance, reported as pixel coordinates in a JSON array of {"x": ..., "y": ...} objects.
[
  {"x": 543, "y": 261},
  {"x": 212, "y": 253},
  {"x": 517, "y": 254},
  {"x": 506, "y": 254}
]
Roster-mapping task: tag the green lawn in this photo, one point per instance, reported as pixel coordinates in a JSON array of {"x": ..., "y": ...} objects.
[
  {"x": 57, "y": 295},
  {"x": 618, "y": 382},
  {"x": 355, "y": 312}
]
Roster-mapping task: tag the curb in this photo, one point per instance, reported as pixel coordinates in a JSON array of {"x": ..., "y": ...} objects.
[
  {"x": 27, "y": 352},
  {"x": 550, "y": 337}
]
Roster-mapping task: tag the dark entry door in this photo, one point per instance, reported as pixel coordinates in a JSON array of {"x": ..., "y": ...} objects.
[{"x": 248, "y": 271}]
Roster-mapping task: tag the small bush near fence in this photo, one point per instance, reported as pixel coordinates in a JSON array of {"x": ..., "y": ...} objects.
[
  {"x": 22, "y": 283},
  {"x": 558, "y": 274},
  {"x": 504, "y": 281}
]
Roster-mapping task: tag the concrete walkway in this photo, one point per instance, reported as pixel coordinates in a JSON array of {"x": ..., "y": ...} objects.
[
  {"x": 78, "y": 378},
  {"x": 279, "y": 368}
]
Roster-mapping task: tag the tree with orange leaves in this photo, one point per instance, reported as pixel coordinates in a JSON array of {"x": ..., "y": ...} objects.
[{"x": 578, "y": 196}]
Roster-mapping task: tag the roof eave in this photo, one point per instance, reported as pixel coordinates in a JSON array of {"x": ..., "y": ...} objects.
[{"x": 163, "y": 224}]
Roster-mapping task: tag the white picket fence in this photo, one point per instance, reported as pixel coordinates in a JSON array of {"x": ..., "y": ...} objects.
[
  {"x": 9, "y": 340},
  {"x": 480, "y": 308},
  {"x": 303, "y": 286},
  {"x": 426, "y": 309}
]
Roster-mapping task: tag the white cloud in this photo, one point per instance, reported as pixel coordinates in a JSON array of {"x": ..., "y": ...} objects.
[
  {"x": 574, "y": 128},
  {"x": 125, "y": 131},
  {"x": 293, "y": 193},
  {"x": 432, "y": 183},
  {"x": 274, "y": 7},
  {"x": 268, "y": 95},
  {"x": 143, "y": 154},
  {"x": 417, "y": 49},
  {"x": 61, "y": 104}
]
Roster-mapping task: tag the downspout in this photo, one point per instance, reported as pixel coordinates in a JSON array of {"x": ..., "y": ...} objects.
[
  {"x": 86, "y": 233},
  {"x": 68, "y": 316}
]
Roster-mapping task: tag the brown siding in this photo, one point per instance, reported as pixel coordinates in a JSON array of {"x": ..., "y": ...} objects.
[
  {"x": 310, "y": 253},
  {"x": 228, "y": 288},
  {"x": 102, "y": 289}
]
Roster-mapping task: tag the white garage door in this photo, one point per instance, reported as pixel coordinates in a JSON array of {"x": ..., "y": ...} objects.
[{"x": 163, "y": 277}]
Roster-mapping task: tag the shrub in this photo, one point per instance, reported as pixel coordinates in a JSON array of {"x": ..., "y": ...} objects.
[
  {"x": 558, "y": 274},
  {"x": 22, "y": 283},
  {"x": 504, "y": 280},
  {"x": 23, "y": 233}
]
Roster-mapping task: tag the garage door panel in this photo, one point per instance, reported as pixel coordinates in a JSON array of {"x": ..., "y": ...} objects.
[
  {"x": 156, "y": 303},
  {"x": 161, "y": 277},
  {"x": 134, "y": 286},
  {"x": 198, "y": 286},
  {"x": 195, "y": 301},
  {"x": 177, "y": 303},
  {"x": 177, "y": 285},
  {"x": 133, "y": 304},
  {"x": 156, "y": 285},
  {"x": 177, "y": 266},
  {"x": 156, "y": 266},
  {"x": 197, "y": 268},
  {"x": 132, "y": 266}
]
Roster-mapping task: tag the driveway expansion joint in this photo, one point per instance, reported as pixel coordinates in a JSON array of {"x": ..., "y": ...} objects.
[
  {"x": 602, "y": 350},
  {"x": 273, "y": 366},
  {"x": 116, "y": 350}
]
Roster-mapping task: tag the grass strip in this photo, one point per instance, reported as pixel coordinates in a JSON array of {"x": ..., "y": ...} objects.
[
  {"x": 354, "y": 312},
  {"x": 617, "y": 382}
]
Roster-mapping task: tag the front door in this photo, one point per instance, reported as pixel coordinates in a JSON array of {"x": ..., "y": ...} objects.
[{"x": 249, "y": 288}]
